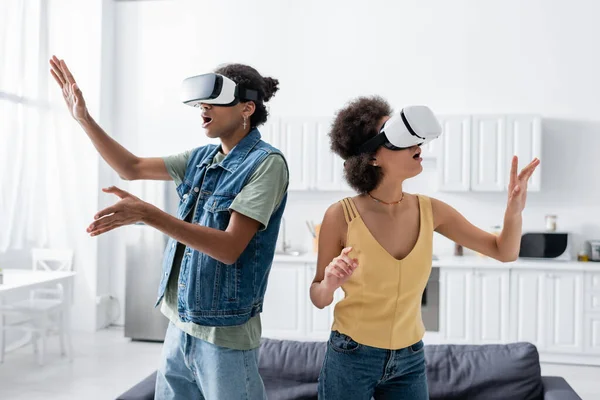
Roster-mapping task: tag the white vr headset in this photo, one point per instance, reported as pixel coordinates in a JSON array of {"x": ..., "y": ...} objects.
[
  {"x": 413, "y": 126},
  {"x": 215, "y": 89}
]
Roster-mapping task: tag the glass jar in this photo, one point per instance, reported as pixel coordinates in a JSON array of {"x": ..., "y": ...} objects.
[{"x": 582, "y": 256}]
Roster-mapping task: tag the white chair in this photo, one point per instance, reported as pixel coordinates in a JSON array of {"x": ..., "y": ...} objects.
[{"x": 45, "y": 307}]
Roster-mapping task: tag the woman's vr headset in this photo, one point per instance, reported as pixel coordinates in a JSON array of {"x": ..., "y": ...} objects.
[
  {"x": 413, "y": 126},
  {"x": 215, "y": 89}
]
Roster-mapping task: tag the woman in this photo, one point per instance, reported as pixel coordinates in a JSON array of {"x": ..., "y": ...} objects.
[{"x": 377, "y": 246}]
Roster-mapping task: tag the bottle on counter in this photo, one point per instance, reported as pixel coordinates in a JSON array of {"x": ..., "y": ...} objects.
[
  {"x": 496, "y": 230},
  {"x": 458, "y": 250},
  {"x": 551, "y": 223}
]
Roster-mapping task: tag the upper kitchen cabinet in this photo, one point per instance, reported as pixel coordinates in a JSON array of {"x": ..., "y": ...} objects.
[
  {"x": 476, "y": 151},
  {"x": 305, "y": 144},
  {"x": 294, "y": 138},
  {"x": 524, "y": 139},
  {"x": 488, "y": 148},
  {"x": 327, "y": 168},
  {"x": 473, "y": 153},
  {"x": 454, "y": 153}
]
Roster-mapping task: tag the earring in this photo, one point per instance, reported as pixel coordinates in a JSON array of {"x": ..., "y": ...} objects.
[{"x": 245, "y": 118}]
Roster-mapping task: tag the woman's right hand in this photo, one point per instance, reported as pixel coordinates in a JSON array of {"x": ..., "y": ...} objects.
[
  {"x": 340, "y": 269},
  {"x": 70, "y": 90}
]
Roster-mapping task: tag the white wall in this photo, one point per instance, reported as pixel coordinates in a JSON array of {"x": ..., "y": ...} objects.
[{"x": 458, "y": 57}]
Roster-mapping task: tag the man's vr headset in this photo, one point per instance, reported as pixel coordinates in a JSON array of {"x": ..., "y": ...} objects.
[
  {"x": 215, "y": 89},
  {"x": 413, "y": 126}
]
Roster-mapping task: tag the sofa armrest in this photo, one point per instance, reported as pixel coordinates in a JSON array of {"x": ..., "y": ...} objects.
[
  {"x": 556, "y": 388},
  {"x": 144, "y": 390}
]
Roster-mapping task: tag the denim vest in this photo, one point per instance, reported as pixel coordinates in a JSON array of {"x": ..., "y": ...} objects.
[{"x": 209, "y": 292}]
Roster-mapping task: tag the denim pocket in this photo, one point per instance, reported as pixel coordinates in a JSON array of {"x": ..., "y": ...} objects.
[
  {"x": 216, "y": 212},
  {"x": 342, "y": 343},
  {"x": 417, "y": 347}
]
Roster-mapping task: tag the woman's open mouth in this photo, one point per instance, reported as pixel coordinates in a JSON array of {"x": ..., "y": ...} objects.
[
  {"x": 417, "y": 155},
  {"x": 206, "y": 121}
]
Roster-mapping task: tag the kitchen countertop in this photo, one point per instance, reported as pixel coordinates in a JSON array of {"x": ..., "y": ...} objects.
[{"x": 474, "y": 261}]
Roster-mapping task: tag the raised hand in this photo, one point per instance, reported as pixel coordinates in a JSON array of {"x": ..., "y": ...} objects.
[
  {"x": 340, "y": 269},
  {"x": 517, "y": 187},
  {"x": 71, "y": 92}
]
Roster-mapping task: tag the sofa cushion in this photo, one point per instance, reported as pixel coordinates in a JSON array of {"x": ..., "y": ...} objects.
[
  {"x": 290, "y": 369},
  {"x": 503, "y": 371},
  {"x": 291, "y": 360}
]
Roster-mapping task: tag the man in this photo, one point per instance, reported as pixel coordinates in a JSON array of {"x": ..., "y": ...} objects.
[{"x": 217, "y": 262}]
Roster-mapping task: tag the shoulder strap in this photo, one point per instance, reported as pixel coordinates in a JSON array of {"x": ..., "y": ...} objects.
[
  {"x": 426, "y": 210},
  {"x": 353, "y": 207},
  {"x": 349, "y": 209}
]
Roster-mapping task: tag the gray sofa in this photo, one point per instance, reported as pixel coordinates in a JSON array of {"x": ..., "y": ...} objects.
[{"x": 290, "y": 371}]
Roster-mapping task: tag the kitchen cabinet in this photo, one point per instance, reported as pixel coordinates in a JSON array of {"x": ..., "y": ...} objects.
[
  {"x": 288, "y": 311},
  {"x": 546, "y": 309},
  {"x": 488, "y": 159},
  {"x": 285, "y": 302},
  {"x": 295, "y": 138},
  {"x": 326, "y": 167},
  {"x": 528, "y": 307},
  {"x": 591, "y": 328},
  {"x": 474, "y": 305},
  {"x": 524, "y": 139},
  {"x": 306, "y": 147},
  {"x": 564, "y": 316},
  {"x": 592, "y": 292},
  {"x": 543, "y": 307},
  {"x": 476, "y": 151},
  {"x": 454, "y": 154},
  {"x": 491, "y": 303},
  {"x": 456, "y": 305}
]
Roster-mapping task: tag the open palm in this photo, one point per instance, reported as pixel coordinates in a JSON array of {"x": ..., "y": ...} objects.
[
  {"x": 517, "y": 187},
  {"x": 71, "y": 92}
]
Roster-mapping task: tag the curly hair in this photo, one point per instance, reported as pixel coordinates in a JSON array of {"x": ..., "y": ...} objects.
[
  {"x": 354, "y": 124},
  {"x": 251, "y": 79}
]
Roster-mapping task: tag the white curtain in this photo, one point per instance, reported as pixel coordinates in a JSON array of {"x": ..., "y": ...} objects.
[{"x": 36, "y": 170}]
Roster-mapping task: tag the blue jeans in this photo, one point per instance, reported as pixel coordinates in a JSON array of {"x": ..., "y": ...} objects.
[
  {"x": 353, "y": 371},
  {"x": 192, "y": 368}
]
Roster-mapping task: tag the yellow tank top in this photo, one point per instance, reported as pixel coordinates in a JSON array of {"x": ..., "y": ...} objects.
[{"x": 382, "y": 303}]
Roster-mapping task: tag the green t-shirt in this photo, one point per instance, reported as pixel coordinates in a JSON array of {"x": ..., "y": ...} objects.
[{"x": 258, "y": 200}]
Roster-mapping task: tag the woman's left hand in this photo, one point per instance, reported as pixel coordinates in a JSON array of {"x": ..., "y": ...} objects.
[
  {"x": 126, "y": 211},
  {"x": 517, "y": 187}
]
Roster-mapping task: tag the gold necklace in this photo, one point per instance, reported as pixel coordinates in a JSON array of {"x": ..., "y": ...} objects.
[{"x": 387, "y": 204}]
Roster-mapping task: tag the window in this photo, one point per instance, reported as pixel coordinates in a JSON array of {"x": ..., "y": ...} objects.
[{"x": 25, "y": 123}]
